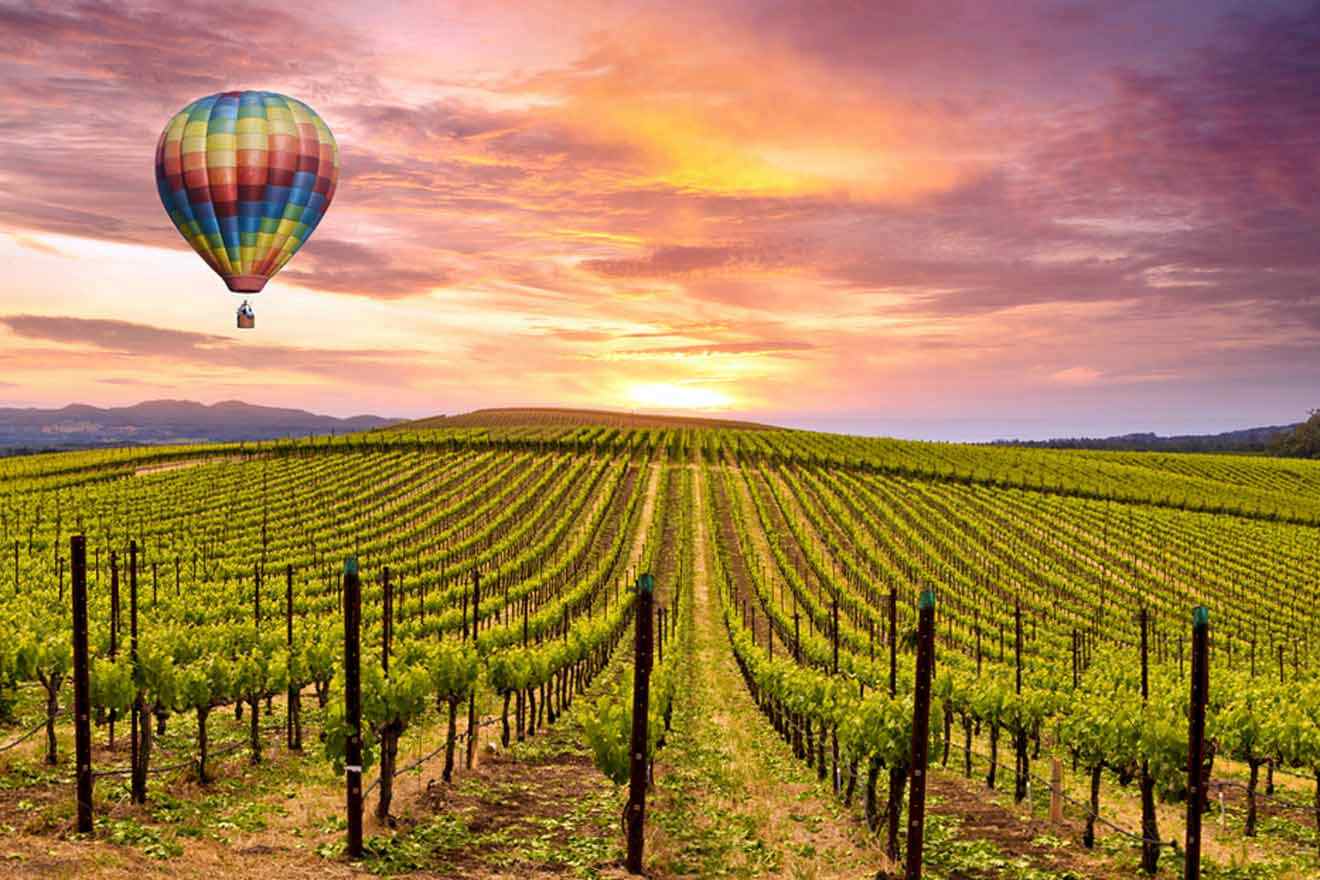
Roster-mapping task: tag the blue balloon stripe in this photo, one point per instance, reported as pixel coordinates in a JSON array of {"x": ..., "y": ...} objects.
[{"x": 179, "y": 201}]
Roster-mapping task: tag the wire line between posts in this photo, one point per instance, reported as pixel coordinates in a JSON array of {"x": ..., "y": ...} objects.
[
  {"x": 1282, "y": 803},
  {"x": 413, "y": 766},
  {"x": 182, "y": 765},
  {"x": 169, "y": 768},
  {"x": 465, "y": 735},
  {"x": 33, "y": 732},
  {"x": 1134, "y": 835}
]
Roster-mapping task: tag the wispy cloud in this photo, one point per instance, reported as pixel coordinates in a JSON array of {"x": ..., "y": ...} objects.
[
  {"x": 99, "y": 339},
  {"x": 769, "y": 346}
]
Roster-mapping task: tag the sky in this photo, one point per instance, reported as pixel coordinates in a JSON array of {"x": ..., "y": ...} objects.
[{"x": 943, "y": 220}]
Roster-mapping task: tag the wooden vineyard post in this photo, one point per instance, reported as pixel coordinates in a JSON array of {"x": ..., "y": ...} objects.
[
  {"x": 978, "y": 643},
  {"x": 1020, "y": 736},
  {"x": 893, "y": 642},
  {"x": 139, "y": 719},
  {"x": 254, "y": 719},
  {"x": 920, "y": 733},
  {"x": 353, "y": 704},
  {"x": 293, "y": 724},
  {"x": 472, "y": 731},
  {"x": 637, "y": 753},
  {"x": 834, "y": 626},
  {"x": 1075, "y": 667},
  {"x": 1150, "y": 832},
  {"x": 386, "y": 622},
  {"x": 1196, "y": 738},
  {"x": 1056, "y": 791},
  {"x": 1017, "y": 646},
  {"x": 114, "y": 628},
  {"x": 82, "y": 721},
  {"x": 476, "y": 602},
  {"x": 1145, "y": 680}
]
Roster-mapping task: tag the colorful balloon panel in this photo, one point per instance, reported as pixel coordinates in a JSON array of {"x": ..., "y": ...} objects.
[{"x": 246, "y": 177}]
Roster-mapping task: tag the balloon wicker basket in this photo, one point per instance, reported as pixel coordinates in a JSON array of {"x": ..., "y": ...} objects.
[{"x": 246, "y": 321}]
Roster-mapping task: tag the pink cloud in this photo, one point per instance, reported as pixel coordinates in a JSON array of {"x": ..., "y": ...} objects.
[
  {"x": 93, "y": 340},
  {"x": 1077, "y": 376}
]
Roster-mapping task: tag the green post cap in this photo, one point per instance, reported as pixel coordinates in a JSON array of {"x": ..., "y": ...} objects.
[
  {"x": 1200, "y": 617},
  {"x": 927, "y": 599},
  {"x": 645, "y": 583},
  {"x": 350, "y": 565}
]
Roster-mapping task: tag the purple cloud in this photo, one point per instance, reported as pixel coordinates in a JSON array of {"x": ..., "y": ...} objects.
[{"x": 137, "y": 341}]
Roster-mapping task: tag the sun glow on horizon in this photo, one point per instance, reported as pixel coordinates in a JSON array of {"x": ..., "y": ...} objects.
[{"x": 668, "y": 395}]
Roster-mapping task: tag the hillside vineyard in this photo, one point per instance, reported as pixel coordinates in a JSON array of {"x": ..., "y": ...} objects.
[{"x": 497, "y": 568}]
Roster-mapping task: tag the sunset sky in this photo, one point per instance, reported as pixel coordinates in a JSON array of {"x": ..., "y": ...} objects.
[{"x": 958, "y": 220}]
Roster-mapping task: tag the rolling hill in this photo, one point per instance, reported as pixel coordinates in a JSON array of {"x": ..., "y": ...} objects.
[
  {"x": 563, "y": 416},
  {"x": 164, "y": 421}
]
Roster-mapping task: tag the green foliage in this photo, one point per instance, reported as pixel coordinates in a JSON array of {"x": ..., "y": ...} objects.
[
  {"x": 455, "y": 669},
  {"x": 1302, "y": 441},
  {"x": 111, "y": 683},
  {"x": 608, "y": 731}
]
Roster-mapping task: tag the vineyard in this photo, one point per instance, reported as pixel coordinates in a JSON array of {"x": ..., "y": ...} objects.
[{"x": 507, "y": 583}]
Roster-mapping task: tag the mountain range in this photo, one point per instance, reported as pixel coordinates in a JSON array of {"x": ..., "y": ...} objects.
[
  {"x": 1243, "y": 440},
  {"x": 164, "y": 421},
  {"x": 80, "y": 426}
]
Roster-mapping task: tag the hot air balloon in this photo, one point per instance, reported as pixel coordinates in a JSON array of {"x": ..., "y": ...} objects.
[{"x": 246, "y": 177}]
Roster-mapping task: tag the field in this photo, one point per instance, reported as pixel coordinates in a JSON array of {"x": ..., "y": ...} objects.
[{"x": 498, "y": 554}]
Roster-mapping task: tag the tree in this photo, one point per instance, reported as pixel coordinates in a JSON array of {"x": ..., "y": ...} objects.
[{"x": 1303, "y": 441}]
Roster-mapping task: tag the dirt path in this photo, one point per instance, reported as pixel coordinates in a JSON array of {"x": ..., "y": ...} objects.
[
  {"x": 180, "y": 465},
  {"x": 980, "y": 836},
  {"x": 541, "y": 809},
  {"x": 653, "y": 483},
  {"x": 730, "y": 799}
]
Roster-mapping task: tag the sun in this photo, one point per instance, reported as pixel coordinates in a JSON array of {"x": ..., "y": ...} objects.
[{"x": 667, "y": 395}]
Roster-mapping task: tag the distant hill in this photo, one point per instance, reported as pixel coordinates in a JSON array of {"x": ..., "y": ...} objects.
[
  {"x": 532, "y": 415},
  {"x": 1244, "y": 440},
  {"x": 164, "y": 421}
]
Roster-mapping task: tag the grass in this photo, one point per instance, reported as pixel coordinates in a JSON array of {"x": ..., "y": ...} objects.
[{"x": 730, "y": 799}]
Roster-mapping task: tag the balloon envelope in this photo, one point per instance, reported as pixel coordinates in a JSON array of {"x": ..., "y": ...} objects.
[{"x": 246, "y": 177}]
